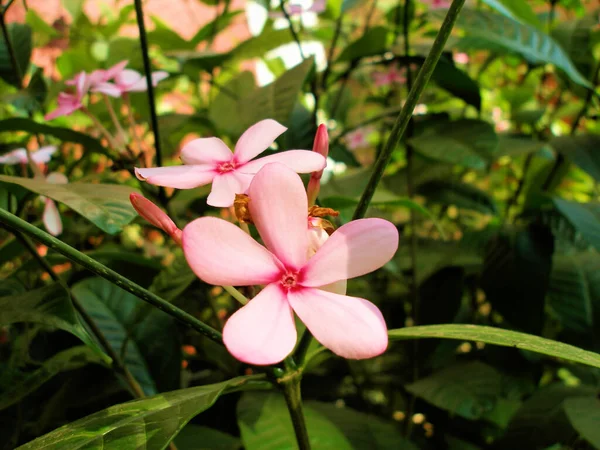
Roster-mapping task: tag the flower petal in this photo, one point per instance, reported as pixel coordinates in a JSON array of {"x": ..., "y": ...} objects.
[
  {"x": 263, "y": 331},
  {"x": 43, "y": 154},
  {"x": 357, "y": 248},
  {"x": 350, "y": 327},
  {"x": 51, "y": 218},
  {"x": 206, "y": 151},
  {"x": 180, "y": 177},
  {"x": 127, "y": 78},
  {"x": 107, "y": 88},
  {"x": 278, "y": 206},
  {"x": 300, "y": 161},
  {"x": 18, "y": 156},
  {"x": 225, "y": 186},
  {"x": 222, "y": 254},
  {"x": 257, "y": 139}
]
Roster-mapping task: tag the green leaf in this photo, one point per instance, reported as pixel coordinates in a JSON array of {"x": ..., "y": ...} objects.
[
  {"x": 499, "y": 336},
  {"x": 516, "y": 275},
  {"x": 49, "y": 306},
  {"x": 515, "y": 145},
  {"x": 113, "y": 311},
  {"x": 462, "y": 195},
  {"x": 37, "y": 86},
  {"x": 105, "y": 205},
  {"x": 265, "y": 424},
  {"x": 20, "y": 38},
  {"x": 211, "y": 29},
  {"x": 373, "y": 42},
  {"x": 43, "y": 31},
  {"x": 73, "y": 7},
  {"x": 70, "y": 359},
  {"x": 584, "y": 414},
  {"x": 195, "y": 437},
  {"x": 64, "y": 134},
  {"x": 585, "y": 217},
  {"x": 167, "y": 38},
  {"x": 516, "y": 9},
  {"x": 457, "y": 82},
  {"x": 581, "y": 150},
  {"x": 467, "y": 142},
  {"x": 491, "y": 31},
  {"x": 257, "y": 47},
  {"x": 469, "y": 390},
  {"x": 148, "y": 423},
  {"x": 174, "y": 279}
]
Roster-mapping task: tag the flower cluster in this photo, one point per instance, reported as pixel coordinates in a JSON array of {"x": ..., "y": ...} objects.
[
  {"x": 116, "y": 81},
  {"x": 303, "y": 263}
]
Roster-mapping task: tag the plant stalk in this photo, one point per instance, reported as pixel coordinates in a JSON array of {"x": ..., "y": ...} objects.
[
  {"x": 290, "y": 385},
  {"x": 15, "y": 223},
  {"x": 411, "y": 101}
]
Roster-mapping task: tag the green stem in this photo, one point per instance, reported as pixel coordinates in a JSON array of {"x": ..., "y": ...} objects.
[
  {"x": 302, "y": 349},
  {"x": 15, "y": 223},
  {"x": 336, "y": 36},
  {"x": 291, "y": 28},
  {"x": 290, "y": 384},
  {"x": 411, "y": 101},
  {"x": 236, "y": 294},
  {"x": 117, "y": 364}
]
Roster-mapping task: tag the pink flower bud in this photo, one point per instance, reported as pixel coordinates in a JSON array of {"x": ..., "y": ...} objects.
[
  {"x": 321, "y": 146},
  {"x": 155, "y": 216}
]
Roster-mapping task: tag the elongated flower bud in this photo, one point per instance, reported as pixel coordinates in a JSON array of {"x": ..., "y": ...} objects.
[
  {"x": 321, "y": 146},
  {"x": 155, "y": 216}
]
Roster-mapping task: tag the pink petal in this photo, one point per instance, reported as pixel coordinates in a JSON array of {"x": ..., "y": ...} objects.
[
  {"x": 159, "y": 76},
  {"x": 180, "y": 177},
  {"x": 257, "y": 139},
  {"x": 225, "y": 186},
  {"x": 222, "y": 254},
  {"x": 279, "y": 210},
  {"x": 127, "y": 78},
  {"x": 206, "y": 151},
  {"x": 43, "y": 154},
  {"x": 154, "y": 215},
  {"x": 350, "y": 327},
  {"x": 357, "y": 248},
  {"x": 263, "y": 331},
  {"x": 62, "y": 110},
  {"x": 107, "y": 88},
  {"x": 300, "y": 161},
  {"x": 51, "y": 218},
  {"x": 115, "y": 70},
  {"x": 18, "y": 156}
]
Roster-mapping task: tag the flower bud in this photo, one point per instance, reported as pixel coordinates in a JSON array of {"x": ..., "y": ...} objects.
[
  {"x": 321, "y": 146},
  {"x": 155, "y": 216}
]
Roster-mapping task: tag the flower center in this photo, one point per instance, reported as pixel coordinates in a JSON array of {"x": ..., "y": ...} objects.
[
  {"x": 226, "y": 167},
  {"x": 289, "y": 280}
]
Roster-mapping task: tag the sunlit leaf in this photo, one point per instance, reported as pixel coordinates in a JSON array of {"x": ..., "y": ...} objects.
[{"x": 581, "y": 150}]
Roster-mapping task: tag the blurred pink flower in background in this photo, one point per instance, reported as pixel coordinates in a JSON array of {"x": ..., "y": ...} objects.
[
  {"x": 437, "y": 4},
  {"x": 19, "y": 156},
  {"x": 358, "y": 138},
  {"x": 69, "y": 103},
  {"x": 460, "y": 58},
  {"x": 293, "y": 9},
  {"x": 128, "y": 81},
  {"x": 51, "y": 216},
  {"x": 391, "y": 76}
]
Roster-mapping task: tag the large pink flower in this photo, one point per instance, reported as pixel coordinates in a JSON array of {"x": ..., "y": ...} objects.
[
  {"x": 209, "y": 160},
  {"x": 263, "y": 331}
]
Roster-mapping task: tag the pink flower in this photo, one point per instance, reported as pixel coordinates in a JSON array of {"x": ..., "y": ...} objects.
[
  {"x": 357, "y": 138},
  {"x": 19, "y": 156},
  {"x": 128, "y": 81},
  {"x": 318, "y": 6},
  {"x": 102, "y": 76},
  {"x": 437, "y": 4},
  {"x": 155, "y": 216},
  {"x": 321, "y": 146},
  {"x": 392, "y": 76},
  {"x": 461, "y": 58},
  {"x": 51, "y": 216},
  {"x": 263, "y": 331},
  {"x": 69, "y": 103},
  {"x": 209, "y": 160}
]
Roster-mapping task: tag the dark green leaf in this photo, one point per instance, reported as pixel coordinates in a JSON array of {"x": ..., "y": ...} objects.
[
  {"x": 584, "y": 414},
  {"x": 515, "y": 145},
  {"x": 70, "y": 359},
  {"x": 457, "y": 82},
  {"x": 499, "y": 336},
  {"x": 148, "y": 423},
  {"x": 448, "y": 284},
  {"x": 373, "y": 42},
  {"x": 174, "y": 279},
  {"x": 467, "y": 142},
  {"x": 105, "y": 205},
  {"x": 516, "y": 276},
  {"x": 581, "y": 150},
  {"x": 49, "y": 306},
  {"x": 585, "y": 217},
  {"x": 462, "y": 195},
  {"x": 195, "y": 437},
  {"x": 20, "y": 38}
]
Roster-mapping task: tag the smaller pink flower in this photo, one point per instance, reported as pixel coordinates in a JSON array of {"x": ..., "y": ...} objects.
[
  {"x": 357, "y": 138},
  {"x": 263, "y": 331},
  {"x": 318, "y": 6},
  {"x": 460, "y": 58},
  {"x": 155, "y": 216},
  {"x": 209, "y": 160},
  {"x": 437, "y": 4},
  {"x": 51, "y": 216},
  {"x": 19, "y": 156},
  {"x": 69, "y": 103},
  {"x": 128, "y": 81},
  {"x": 392, "y": 76}
]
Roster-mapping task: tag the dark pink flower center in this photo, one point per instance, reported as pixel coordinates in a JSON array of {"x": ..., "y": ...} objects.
[
  {"x": 289, "y": 280},
  {"x": 226, "y": 167}
]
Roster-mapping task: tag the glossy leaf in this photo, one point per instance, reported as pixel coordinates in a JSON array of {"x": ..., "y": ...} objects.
[
  {"x": 462, "y": 195},
  {"x": 584, "y": 414},
  {"x": 499, "y": 336},
  {"x": 373, "y": 42},
  {"x": 148, "y": 423},
  {"x": 105, "y": 205},
  {"x": 585, "y": 217},
  {"x": 196, "y": 437},
  {"x": 20, "y": 37},
  {"x": 517, "y": 9}
]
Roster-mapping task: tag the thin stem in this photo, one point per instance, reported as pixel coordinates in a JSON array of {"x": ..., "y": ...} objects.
[
  {"x": 11, "y": 50},
  {"x": 117, "y": 364},
  {"x": 236, "y": 294},
  {"x": 133, "y": 124},
  {"x": 139, "y": 14},
  {"x": 15, "y": 223},
  {"x": 411, "y": 101},
  {"x": 109, "y": 137},
  {"x": 370, "y": 16},
  {"x": 513, "y": 200},
  {"x": 293, "y": 398},
  {"x": 114, "y": 118},
  {"x": 291, "y": 28},
  {"x": 302, "y": 349},
  {"x": 8, "y": 3},
  {"x": 336, "y": 35}
]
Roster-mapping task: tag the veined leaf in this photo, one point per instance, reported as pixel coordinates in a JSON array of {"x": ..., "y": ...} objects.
[
  {"x": 516, "y": 9},
  {"x": 20, "y": 37},
  {"x": 488, "y": 30},
  {"x": 148, "y": 423},
  {"x": 105, "y": 205},
  {"x": 585, "y": 217},
  {"x": 499, "y": 336}
]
